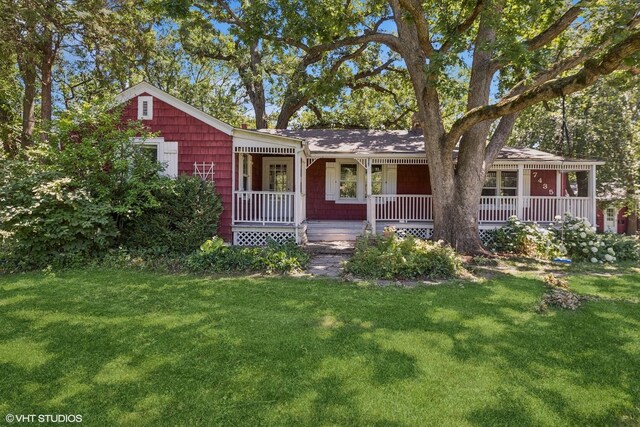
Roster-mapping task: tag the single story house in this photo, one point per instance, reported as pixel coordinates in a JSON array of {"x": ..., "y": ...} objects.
[{"x": 326, "y": 184}]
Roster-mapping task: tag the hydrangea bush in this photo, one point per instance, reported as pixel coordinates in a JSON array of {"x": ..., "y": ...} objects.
[
  {"x": 567, "y": 235},
  {"x": 580, "y": 241},
  {"x": 525, "y": 238}
]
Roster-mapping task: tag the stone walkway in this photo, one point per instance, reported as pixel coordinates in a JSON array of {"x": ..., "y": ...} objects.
[
  {"x": 326, "y": 265},
  {"x": 327, "y": 258}
]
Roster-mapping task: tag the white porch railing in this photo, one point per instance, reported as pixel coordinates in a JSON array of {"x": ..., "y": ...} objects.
[
  {"x": 544, "y": 209},
  {"x": 497, "y": 208},
  {"x": 264, "y": 207},
  {"x": 403, "y": 207},
  {"x": 413, "y": 207}
]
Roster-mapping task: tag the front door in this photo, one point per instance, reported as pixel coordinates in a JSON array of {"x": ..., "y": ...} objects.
[{"x": 277, "y": 179}]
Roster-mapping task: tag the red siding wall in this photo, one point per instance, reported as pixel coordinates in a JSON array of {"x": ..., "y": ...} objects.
[
  {"x": 197, "y": 142},
  {"x": 541, "y": 179},
  {"x": 413, "y": 179},
  {"x": 318, "y": 207}
]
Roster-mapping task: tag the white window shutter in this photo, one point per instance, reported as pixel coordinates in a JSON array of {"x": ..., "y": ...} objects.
[
  {"x": 168, "y": 156},
  {"x": 331, "y": 181},
  {"x": 390, "y": 179}
]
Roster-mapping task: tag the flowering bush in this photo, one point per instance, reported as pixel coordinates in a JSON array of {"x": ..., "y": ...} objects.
[
  {"x": 626, "y": 248},
  {"x": 525, "y": 238},
  {"x": 395, "y": 257},
  {"x": 580, "y": 241}
]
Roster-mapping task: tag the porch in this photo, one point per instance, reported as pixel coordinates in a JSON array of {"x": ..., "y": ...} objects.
[
  {"x": 268, "y": 201},
  {"x": 282, "y": 191}
]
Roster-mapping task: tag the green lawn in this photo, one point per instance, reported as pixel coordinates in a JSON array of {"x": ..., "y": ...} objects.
[{"x": 132, "y": 348}]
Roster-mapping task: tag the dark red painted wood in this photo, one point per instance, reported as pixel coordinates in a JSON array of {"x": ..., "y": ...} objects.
[
  {"x": 413, "y": 179},
  {"x": 320, "y": 209},
  {"x": 197, "y": 142},
  {"x": 543, "y": 181}
]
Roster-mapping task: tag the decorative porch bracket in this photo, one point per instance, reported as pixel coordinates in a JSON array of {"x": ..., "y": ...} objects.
[
  {"x": 310, "y": 161},
  {"x": 363, "y": 162}
]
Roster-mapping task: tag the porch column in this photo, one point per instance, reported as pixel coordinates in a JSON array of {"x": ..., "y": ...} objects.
[
  {"x": 370, "y": 209},
  {"x": 233, "y": 183},
  {"x": 520, "y": 193},
  {"x": 592, "y": 195},
  {"x": 297, "y": 182}
]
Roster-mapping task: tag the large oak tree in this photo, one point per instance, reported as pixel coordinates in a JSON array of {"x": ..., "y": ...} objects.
[{"x": 518, "y": 54}]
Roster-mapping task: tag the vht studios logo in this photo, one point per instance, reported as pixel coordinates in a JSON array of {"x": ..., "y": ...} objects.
[{"x": 43, "y": 418}]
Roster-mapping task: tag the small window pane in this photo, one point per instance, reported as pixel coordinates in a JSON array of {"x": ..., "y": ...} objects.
[
  {"x": 489, "y": 192},
  {"x": 508, "y": 192},
  {"x": 509, "y": 179},
  {"x": 348, "y": 172},
  {"x": 150, "y": 152},
  {"x": 376, "y": 179},
  {"x": 348, "y": 190},
  {"x": 491, "y": 181}
]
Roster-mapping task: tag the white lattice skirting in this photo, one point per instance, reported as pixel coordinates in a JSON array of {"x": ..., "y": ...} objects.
[
  {"x": 418, "y": 232},
  {"x": 261, "y": 238},
  {"x": 486, "y": 235}
]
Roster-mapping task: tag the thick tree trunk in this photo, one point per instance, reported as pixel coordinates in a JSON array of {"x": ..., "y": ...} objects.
[
  {"x": 28, "y": 104},
  {"x": 48, "y": 55},
  {"x": 632, "y": 223},
  {"x": 582, "y": 179},
  {"x": 455, "y": 205}
]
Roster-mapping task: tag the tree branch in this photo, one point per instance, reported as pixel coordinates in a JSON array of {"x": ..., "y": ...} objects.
[
  {"x": 422, "y": 28},
  {"x": 555, "y": 29},
  {"x": 588, "y": 75},
  {"x": 462, "y": 27}
]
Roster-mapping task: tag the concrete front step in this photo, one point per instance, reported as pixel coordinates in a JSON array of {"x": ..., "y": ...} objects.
[
  {"x": 334, "y": 230},
  {"x": 334, "y": 247}
]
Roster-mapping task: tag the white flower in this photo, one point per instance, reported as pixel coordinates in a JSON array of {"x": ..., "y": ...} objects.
[
  {"x": 594, "y": 260},
  {"x": 558, "y": 217},
  {"x": 583, "y": 244},
  {"x": 610, "y": 250},
  {"x": 583, "y": 234},
  {"x": 594, "y": 249},
  {"x": 608, "y": 257},
  {"x": 585, "y": 250}
]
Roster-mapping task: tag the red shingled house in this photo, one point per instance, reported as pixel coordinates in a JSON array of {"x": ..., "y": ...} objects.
[{"x": 325, "y": 184}]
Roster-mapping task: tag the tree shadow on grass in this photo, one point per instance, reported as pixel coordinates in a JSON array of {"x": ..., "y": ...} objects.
[{"x": 168, "y": 350}]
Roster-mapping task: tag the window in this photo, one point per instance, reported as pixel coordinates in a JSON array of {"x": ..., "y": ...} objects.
[
  {"x": 245, "y": 172},
  {"x": 277, "y": 174},
  {"x": 611, "y": 214},
  {"x": 150, "y": 151},
  {"x": 348, "y": 181},
  {"x": 161, "y": 151},
  {"x": 145, "y": 107},
  {"x": 490, "y": 184},
  {"x": 508, "y": 183},
  {"x": 376, "y": 179},
  {"x": 500, "y": 183}
]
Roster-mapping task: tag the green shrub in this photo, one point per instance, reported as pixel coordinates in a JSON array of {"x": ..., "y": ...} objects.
[
  {"x": 402, "y": 258},
  {"x": 215, "y": 257},
  {"x": 625, "y": 248},
  {"x": 580, "y": 241},
  {"x": 523, "y": 238},
  {"x": 46, "y": 219},
  {"x": 187, "y": 213}
]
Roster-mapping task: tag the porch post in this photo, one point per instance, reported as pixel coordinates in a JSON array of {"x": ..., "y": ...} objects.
[
  {"x": 233, "y": 184},
  {"x": 370, "y": 208},
  {"x": 592, "y": 195},
  {"x": 297, "y": 181},
  {"x": 520, "y": 193}
]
